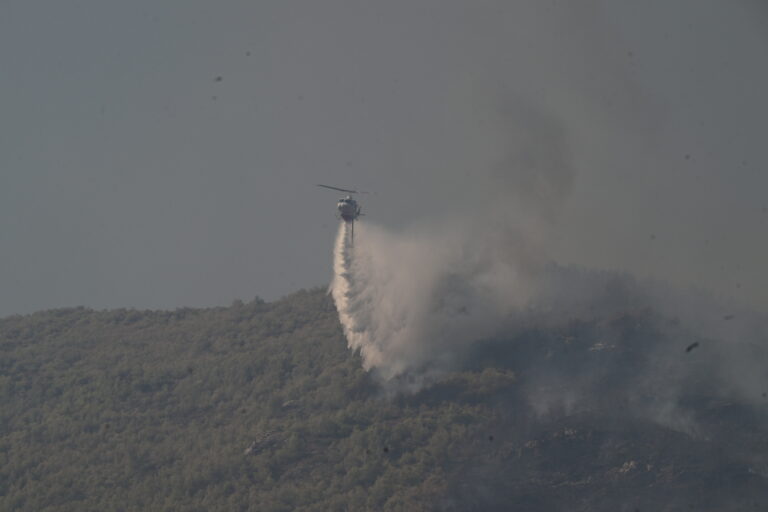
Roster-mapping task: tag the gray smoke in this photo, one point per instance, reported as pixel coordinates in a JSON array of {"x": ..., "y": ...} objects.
[
  {"x": 416, "y": 302},
  {"x": 409, "y": 301}
]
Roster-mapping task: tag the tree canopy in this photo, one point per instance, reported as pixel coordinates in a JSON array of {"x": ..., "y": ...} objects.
[{"x": 261, "y": 406}]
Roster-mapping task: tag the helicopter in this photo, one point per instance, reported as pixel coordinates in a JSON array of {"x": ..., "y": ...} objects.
[{"x": 348, "y": 208}]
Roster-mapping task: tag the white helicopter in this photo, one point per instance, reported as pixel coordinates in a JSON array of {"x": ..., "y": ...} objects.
[{"x": 348, "y": 208}]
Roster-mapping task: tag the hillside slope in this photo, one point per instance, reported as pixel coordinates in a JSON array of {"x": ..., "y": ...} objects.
[{"x": 261, "y": 406}]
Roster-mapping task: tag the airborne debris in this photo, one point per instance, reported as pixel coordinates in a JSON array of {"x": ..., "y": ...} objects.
[
  {"x": 218, "y": 79},
  {"x": 692, "y": 346},
  {"x": 729, "y": 317}
]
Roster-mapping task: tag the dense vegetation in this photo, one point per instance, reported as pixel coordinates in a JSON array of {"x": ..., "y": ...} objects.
[{"x": 261, "y": 406}]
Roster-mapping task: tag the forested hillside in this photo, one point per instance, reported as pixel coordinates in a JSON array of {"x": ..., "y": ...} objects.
[{"x": 260, "y": 406}]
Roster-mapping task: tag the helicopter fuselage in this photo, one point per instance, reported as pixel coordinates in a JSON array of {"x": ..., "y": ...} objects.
[{"x": 348, "y": 209}]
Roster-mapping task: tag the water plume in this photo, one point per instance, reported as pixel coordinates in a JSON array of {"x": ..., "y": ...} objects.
[{"x": 409, "y": 301}]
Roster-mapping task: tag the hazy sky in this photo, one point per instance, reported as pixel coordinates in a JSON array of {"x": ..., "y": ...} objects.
[{"x": 131, "y": 175}]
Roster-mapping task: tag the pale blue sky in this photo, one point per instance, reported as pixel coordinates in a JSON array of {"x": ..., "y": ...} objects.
[{"x": 130, "y": 176}]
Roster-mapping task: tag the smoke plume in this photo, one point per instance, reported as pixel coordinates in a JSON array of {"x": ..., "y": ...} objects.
[
  {"x": 481, "y": 284},
  {"x": 408, "y": 301},
  {"x": 420, "y": 303},
  {"x": 412, "y": 301},
  {"x": 437, "y": 298}
]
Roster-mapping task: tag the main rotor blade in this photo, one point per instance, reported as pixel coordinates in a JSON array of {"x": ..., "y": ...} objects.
[{"x": 343, "y": 189}]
